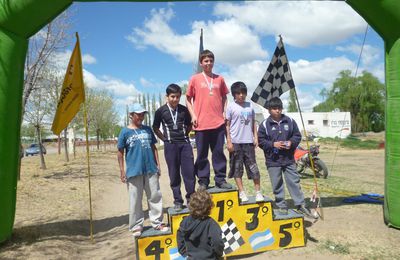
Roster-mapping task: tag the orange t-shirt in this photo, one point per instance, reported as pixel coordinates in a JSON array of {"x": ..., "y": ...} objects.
[{"x": 208, "y": 108}]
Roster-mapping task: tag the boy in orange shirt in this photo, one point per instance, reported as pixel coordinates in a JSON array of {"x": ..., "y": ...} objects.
[{"x": 206, "y": 101}]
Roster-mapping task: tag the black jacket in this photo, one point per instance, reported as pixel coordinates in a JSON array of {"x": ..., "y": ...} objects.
[
  {"x": 200, "y": 239},
  {"x": 271, "y": 131}
]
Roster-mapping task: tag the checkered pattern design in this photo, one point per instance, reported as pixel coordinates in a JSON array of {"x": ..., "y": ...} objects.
[
  {"x": 231, "y": 237},
  {"x": 276, "y": 80}
]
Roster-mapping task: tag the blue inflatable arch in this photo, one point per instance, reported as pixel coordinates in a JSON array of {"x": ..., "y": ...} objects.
[{"x": 20, "y": 19}]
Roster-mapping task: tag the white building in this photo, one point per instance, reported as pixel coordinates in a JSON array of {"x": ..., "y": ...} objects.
[{"x": 323, "y": 124}]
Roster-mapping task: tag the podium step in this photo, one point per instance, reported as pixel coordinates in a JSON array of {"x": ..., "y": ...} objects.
[{"x": 248, "y": 228}]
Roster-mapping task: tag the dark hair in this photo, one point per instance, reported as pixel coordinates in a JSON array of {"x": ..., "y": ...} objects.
[
  {"x": 275, "y": 102},
  {"x": 237, "y": 88},
  {"x": 200, "y": 204},
  {"x": 206, "y": 54},
  {"x": 173, "y": 89}
]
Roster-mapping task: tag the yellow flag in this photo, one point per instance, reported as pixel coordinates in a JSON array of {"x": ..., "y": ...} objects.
[{"x": 72, "y": 93}]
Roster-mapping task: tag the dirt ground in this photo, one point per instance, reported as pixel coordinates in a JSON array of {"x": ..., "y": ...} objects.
[{"x": 52, "y": 216}]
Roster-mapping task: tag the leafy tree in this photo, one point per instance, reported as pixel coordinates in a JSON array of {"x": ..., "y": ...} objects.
[
  {"x": 101, "y": 113},
  {"x": 292, "y": 101},
  {"x": 363, "y": 97},
  {"x": 184, "y": 89}
]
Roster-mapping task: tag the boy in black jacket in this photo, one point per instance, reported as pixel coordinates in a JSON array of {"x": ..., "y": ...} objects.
[
  {"x": 278, "y": 136},
  {"x": 199, "y": 236}
]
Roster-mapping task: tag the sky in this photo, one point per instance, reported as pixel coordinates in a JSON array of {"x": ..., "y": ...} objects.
[{"x": 130, "y": 48}]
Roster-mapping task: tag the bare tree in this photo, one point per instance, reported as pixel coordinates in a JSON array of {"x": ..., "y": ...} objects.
[
  {"x": 38, "y": 108},
  {"x": 51, "y": 39}
]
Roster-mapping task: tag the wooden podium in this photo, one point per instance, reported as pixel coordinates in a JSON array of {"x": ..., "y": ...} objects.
[{"x": 247, "y": 228}]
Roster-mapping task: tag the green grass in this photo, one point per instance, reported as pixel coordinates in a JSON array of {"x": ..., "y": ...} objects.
[
  {"x": 352, "y": 142},
  {"x": 336, "y": 247}
]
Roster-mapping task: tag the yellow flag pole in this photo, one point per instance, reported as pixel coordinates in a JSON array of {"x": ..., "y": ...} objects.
[
  {"x": 88, "y": 162},
  {"x": 88, "y": 168}
]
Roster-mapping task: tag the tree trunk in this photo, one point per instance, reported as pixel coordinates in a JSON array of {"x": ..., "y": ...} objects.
[
  {"x": 59, "y": 144},
  {"x": 42, "y": 162},
  {"x": 74, "y": 149},
  {"x": 66, "y": 145},
  {"x": 98, "y": 138}
]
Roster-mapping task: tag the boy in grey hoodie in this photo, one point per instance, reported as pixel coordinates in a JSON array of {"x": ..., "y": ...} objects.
[{"x": 199, "y": 236}]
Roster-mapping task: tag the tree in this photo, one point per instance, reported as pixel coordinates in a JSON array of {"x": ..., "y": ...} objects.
[
  {"x": 292, "y": 101},
  {"x": 184, "y": 89},
  {"x": 38, "y": 107},
  {"x": 153, "y": 106},
  {"x": 144, "y": 103},
  {"x": 102, "y": 117},
  {"x": 363, "y": 97},
  {"x": 148, "y": 108},
  {"x": 160, "y": 99},
  {"x": 42, "y": 46}
]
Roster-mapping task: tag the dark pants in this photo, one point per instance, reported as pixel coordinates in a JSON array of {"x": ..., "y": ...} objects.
[
  {"x": 213, "y": 139},
  {"x": 179, "y": 159}
]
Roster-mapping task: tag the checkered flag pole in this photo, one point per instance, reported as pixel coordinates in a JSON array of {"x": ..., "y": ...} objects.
[{"x": 276, "y": 80}]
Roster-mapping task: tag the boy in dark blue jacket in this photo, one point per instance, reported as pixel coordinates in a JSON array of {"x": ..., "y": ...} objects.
[{"x": 278, "y": 136}]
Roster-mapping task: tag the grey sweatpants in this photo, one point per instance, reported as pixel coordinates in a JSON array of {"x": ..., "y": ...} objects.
[
  {"x": 292, "y": 180},
  {"x": 149, "y": 183}
]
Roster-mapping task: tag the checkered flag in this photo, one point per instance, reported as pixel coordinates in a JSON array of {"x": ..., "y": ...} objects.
[
  {"x": 231, "y": 237},
  {"x": 277, "y": 79}
]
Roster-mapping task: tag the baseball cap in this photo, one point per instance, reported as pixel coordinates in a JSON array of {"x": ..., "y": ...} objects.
[{"x": 137, "y": 108}]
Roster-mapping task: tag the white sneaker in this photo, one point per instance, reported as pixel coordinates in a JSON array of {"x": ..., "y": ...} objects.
[
  {"x": 162, "y": 227},
  {"x": 137, "y": 232},
  {"x": 259, "y": 196},
  {"x": 243, "y": 197}
]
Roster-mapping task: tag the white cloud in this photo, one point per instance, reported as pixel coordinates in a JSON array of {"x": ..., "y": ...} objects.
[
  {"x": 116, "y": 87},
  {"x": 369, "y": 57},
  {"x": 226, "y": 38},
  {"x": 322, "y": 71},
  {"x": 148, "y": 83},
  {"x": 300, "y": 23},
  {"x": 60, "y": 59},
  {"x": 304, "y": 72},
  {"x": 88, "y": 59},
  {"x": 310, "y": 77}
]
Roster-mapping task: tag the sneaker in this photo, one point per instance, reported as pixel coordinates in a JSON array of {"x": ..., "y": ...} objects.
[
  {"x": 224, "y": 185},
  {"x": 259, "y": 196},
  {"x": 306, "y": 212},
  {"x": 178, "y": 207},
  {"x": 161, "y": 227},
  {"x": 202, "y": 187},
  {"x": 243, "y": 197},
  {"x": 137, "y": 232},
  {"x": 282, "y": 211}
]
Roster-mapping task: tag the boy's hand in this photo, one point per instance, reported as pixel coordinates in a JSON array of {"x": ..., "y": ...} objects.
[
  {"x": 123, "y": 177},
  {"x": 255, "y": 143},
  {"x": 230, "y": 147},
  {"x": 194, "y": 121},
  {"x": 280, "y": 145}
]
